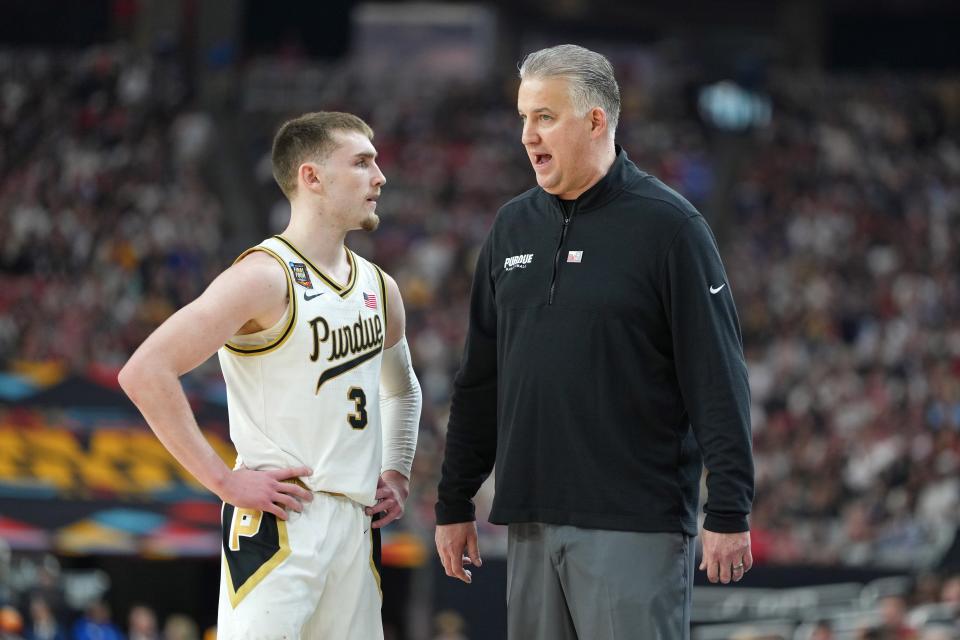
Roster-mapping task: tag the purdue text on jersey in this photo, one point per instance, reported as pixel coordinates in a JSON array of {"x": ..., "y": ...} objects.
[{"x": 364, "y": 337}]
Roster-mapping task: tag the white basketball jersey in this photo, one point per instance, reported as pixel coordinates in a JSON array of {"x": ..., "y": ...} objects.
[{"x": 306, "y": 391}]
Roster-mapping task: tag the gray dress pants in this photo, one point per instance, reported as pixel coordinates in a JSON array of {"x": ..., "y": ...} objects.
[{"x": 568, "y": 583}]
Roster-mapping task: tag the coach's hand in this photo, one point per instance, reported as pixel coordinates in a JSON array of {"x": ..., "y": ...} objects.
[
  {"x": 457, "y": 546},
  {"x": 392, "y": 490},
  {"x": 726, "y": 556},
  {"x": 265, "y": 490}
]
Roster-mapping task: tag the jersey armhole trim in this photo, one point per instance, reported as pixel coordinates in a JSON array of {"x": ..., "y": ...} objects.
[
  {"x": 242, "y": 350},
  {"x": 383, "y": 296}
]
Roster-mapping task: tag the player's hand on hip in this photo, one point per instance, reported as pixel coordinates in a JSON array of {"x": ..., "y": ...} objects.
[
  {"x": 726, "y": 556},
  {"x": 266, "y": 490},
  {"x": 457, "y": 547},
  {"x": 392, "y": 490}
]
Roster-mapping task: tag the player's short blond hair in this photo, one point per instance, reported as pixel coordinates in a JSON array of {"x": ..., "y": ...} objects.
[{"x": 309, "y": 137}]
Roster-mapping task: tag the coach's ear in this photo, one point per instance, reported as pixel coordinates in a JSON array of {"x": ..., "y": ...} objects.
[
  {"x": 310, "y": 178},
  {"x": 598, "y": 122}
]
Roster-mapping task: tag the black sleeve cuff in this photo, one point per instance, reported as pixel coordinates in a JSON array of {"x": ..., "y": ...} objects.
[
  {"x": 723, "y": 523},
  {"x": 452, "y": 514}
]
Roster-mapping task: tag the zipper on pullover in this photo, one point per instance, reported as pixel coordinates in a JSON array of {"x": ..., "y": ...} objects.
[{"x": 556, "y": 258}]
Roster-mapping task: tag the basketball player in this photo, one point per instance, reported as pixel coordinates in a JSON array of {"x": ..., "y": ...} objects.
[{"x": 322, "y": 398}]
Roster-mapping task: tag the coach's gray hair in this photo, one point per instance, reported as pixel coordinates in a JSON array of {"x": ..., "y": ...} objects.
[{"x": 589, "y": 75}]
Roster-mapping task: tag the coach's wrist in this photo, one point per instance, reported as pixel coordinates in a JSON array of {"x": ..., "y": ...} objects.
[
  {"x": 447, "y": 513},
  {"x": 726, "y": 523}
]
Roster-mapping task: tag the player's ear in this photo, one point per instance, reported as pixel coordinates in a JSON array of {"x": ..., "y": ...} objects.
[{"x": 310, "y": 177}]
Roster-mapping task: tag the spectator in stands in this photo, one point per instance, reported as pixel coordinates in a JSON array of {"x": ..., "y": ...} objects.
[
  {"x": 939, "y": 632},
  {"x": 96, "y": 624},
  {"x": 48, "y": 587},
  {"x": 950, "y": 594},
  {"x": 893, "y": 611},
  {"x": 823, "y": 630},
  {"x": 180, "y": 627},
  {"x": 6, "y": 591},
  {"x": 752, "y": 634},
  {"x": 43, "y": 624},
  {"x": 142, "y": 623},
  {"x": 11, "y": 623},
  {"x": 926, "y": 589},
  {"x": 449, "y": 625}
]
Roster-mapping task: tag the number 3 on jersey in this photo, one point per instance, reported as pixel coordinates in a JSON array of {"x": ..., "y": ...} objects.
[{"x": 357, "y": 419}]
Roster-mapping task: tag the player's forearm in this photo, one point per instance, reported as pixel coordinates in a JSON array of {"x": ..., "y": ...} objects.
[
  {"x": 160, "y": 398},
  {"x": 400, "y": 404},
  {"x": 401, "y": 419}
]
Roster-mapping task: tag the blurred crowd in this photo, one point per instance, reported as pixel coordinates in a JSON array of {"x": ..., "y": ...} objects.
[
  {"x": 844, "y": 256},
  {"x": 38, "y": 603},
  {"x": 106, "y": 225},
  {"x": 840, "y": 233},
  {"x": 41, "y": 601},
  {"x": 96, "y": 622},
  {"x": 928, "y": 610}
]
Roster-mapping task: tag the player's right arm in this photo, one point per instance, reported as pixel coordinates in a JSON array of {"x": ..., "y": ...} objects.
[{"x": 249, "y": 296}]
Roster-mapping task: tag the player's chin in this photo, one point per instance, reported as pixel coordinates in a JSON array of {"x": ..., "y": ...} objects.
[{"x": 370, "y": 223}]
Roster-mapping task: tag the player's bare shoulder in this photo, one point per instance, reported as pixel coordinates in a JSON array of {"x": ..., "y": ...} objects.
[
  {"x": 258, "y": 282},
  {"x": 261, "y": 269}
]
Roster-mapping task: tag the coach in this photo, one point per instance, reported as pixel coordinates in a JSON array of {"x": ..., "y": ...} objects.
[{"x": 603, "y": 368}]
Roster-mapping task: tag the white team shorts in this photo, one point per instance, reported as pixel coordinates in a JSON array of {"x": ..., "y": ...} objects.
[{"x": 311, "y": 577}]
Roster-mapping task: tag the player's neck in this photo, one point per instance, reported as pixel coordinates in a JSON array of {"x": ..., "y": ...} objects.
[{"x": 321, "y": 242}]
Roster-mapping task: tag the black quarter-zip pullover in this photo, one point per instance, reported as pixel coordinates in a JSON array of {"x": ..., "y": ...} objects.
[{"x": 603, "y": 367}]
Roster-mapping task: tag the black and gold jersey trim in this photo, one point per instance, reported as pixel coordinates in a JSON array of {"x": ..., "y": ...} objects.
[
  {"x": 242, "y": 350},
  {"x": 375, "y": 561},
  {"x": 383, "y": 296},
  {"x": 342, "y": 290}
]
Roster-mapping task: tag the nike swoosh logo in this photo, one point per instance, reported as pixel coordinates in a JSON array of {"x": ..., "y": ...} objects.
[
  {"x": 717, "y": 289},
  {"x": 308, "y": 298}
]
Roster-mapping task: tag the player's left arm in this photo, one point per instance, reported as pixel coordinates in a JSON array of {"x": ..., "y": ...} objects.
[{"x": 400, "y": 402}]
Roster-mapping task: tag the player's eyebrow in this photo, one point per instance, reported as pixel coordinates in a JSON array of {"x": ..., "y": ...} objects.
[{"x": 368, "y": 155}]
